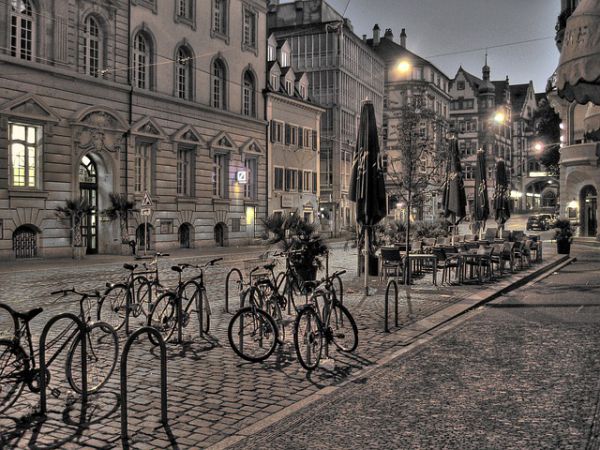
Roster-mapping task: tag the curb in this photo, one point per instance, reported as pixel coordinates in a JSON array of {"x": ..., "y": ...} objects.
[{"x": 417, "y": 334}]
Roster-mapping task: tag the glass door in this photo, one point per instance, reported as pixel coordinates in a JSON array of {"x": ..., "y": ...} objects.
[{"x": 88, "y": 189}]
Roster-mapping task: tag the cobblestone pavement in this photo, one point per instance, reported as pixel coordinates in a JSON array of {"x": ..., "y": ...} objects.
[
  {"x": 212, "y": 393},
  {"x": 519, "y": 373}
]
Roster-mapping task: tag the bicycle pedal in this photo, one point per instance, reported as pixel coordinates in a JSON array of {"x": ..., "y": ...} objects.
[{"x": 55, "y": 392}]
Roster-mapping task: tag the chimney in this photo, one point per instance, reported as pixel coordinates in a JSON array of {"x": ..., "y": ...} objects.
[
  {"x": 364, "y": 38},
  {"x": 388, "y": 34},
  {"x": 375, "y": 35},
  {"x": 403, "y": 38}
]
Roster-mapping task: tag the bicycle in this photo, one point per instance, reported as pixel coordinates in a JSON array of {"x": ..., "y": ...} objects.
[
  {"x": 168, "y": 312},
  {"x": 332, "y": 323},
  {"x": 252, "y": 332},
  {"x": 134, "y": 296},
  {"x": 18, "y": 363}
]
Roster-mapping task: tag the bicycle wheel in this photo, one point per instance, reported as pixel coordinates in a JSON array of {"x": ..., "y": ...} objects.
[
  {"x": 14, "y": 366},
  {"x": 344, "y": 332},
  {"x": 273, "y": 308},
  {"x": 143, "y": 296},
  {"x": 308, "y": 339},
  {"x": 112, "y": 309},
  {"x": 194, "y": 295},
  {"x": 252, "y": 334},
  {"x": 164, "y": 315},
  {"x": 8, "y": 323},
  {"x": 102, "y": 352}
]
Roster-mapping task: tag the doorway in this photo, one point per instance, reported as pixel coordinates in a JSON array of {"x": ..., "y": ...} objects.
[
  {"x": 185, "y": 235},
  {"x": 221, "y": 234},
  {"x": 88, "y": 190},
  {"x": 589, "y": 204}
]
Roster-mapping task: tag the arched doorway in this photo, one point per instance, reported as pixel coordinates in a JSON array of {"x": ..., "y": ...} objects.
[
  {"x": 221, "y": 234},
  {"x": 25, "y": 242},
  {"x": 140, "y": 238},
  {"x": 548, "y": 199},
  {"x": 185, "y": 235},
  {"x": 88, "y": 189},
  {"x": 588, "y": 203}
]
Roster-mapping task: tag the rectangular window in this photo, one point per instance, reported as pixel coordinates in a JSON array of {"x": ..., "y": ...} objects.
[
  {"x": 25, "y": 147},
  {"x": 314, "y": 139},
  {"x": 235, "y": 224},
  {"x": 291, "y": 182},
  {"x": 185, "y": 171},
  {"x": 460, "y": 85},
  {"x": 279, "y": 133},
  {"x": 300, "y": 137},
  {"x": 307, "y": 138},
  {"x": 219, "y": 176},
  {"x": 294, "y": 135},
  {"x": 249, "y": 28},
  {"x": 288, "y": 134},
  {"x": 278, "y": 179},
  {"x": 143, "y": 167},
  {"x": 300, "y": 181},
  {"x": 314, "y": 186},
  {"x": 220, "y": 16},
  {"x": 307, "y": 184},
  {"x": 271, "y": 53},
  {"x": 272, "y": 131},
  {"x": 250, "y": 190}
]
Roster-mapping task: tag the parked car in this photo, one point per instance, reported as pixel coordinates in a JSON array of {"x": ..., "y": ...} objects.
[{"x": 540, "y": 222}]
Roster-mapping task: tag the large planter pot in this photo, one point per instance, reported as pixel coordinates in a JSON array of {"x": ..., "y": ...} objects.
[{"x": 563, "y": 246}]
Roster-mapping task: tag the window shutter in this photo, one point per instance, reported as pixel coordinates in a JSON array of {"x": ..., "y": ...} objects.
[
  {"x": 288, "y": 133},
  {"x": 314, "y": 180},
  {"x": 314, "y": 139},
  {"x": 272, "y": 131},
  {"x": 300, "y": 137},
  {"x": 300, "y": 181}
]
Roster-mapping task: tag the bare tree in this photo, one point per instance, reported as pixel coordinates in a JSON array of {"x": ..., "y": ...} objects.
[{"x": 416, "y": 161}]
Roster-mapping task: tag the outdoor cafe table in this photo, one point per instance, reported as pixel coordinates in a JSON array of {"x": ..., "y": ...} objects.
[
  {"x": 475, "y": 259},
  {"x": 421, "y": 258}
]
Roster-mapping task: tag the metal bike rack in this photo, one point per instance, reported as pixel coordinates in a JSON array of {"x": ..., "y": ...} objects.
[
  {"x": 340, "y": 295},
  {"x": 163, "y": 376},
  {"x": 386, "y": 305},
  {"x": 240, "y": 277},
  {"x": 83, "y": 330}
]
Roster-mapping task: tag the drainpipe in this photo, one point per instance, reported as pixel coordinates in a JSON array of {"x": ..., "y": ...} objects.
[{"x": 130, "y": 108}]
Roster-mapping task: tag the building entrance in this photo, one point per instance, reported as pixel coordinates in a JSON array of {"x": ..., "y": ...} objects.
[{"x": 88, "y": 189}]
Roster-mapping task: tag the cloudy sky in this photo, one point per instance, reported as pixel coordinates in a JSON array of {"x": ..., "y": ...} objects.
[{"x": 437, "y": 27}]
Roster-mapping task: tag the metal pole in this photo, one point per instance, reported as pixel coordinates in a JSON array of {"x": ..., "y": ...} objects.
[
  {"x": 367, "y": 250},
  {"x": 145, "y": 234}
]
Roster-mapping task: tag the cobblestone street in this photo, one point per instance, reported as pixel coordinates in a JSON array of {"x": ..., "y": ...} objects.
[{"x": 212, "y": 393}]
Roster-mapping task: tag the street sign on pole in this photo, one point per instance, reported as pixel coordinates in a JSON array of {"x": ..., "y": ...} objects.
[
  {"x": 147, "y": 201},
  {"x": 146, "y": 212}
]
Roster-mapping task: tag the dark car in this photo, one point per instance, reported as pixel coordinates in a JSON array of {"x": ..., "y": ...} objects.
[{"x": 540, "y": 222}]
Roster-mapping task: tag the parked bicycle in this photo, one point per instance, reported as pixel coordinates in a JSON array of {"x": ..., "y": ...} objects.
[
  {"x": 18, "y": 361},
  {"x": 330, "y": 322},
  {"x": 168, "y": 312},
  {"x": 252, "y": 332},
  {"x": 136, "y": 294}
]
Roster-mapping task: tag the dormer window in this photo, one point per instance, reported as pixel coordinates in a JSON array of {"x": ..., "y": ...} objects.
[
  {"x": 302, "y": 91},
  {"x": 285, "y": 59},
  {"x": 274, "y": 80},
  {"x": 289, "y": 87},
  {"x": 460, "y": 85},
  {"x": 271, "y": 53}
]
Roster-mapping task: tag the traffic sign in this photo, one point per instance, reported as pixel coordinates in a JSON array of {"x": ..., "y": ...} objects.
[
  {"x": 147, "y": 201},
  {"x": 145, "y": 211}
]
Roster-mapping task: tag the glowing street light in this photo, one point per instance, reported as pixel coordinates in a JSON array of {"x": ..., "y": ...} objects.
[
  {"x": 403, "y": 66},
  {"x": 499, "y": 117}
]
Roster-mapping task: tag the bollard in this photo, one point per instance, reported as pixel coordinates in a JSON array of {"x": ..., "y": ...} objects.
[
  {"x": 386, "y": 305},
  {"x": 240, "y": 277},
  {"x": 163, "y": 376},
  {"x": 43, "y": 367}
]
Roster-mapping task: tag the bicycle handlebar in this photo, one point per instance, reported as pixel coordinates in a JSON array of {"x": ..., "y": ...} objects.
[
  {"x": 198, "y": 266},
  {"x": 64, "y": 292}
]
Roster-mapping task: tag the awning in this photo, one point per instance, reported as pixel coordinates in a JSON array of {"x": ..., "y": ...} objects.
[{"x": 578, "y": 73}]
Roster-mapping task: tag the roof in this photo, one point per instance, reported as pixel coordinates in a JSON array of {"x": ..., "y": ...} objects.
[
  {"x": 501, "y": 87},
  {"x": 389, "y": 50},
  {"x": 472, "y": 79},
  {"x": 270, "y": 65},
  {"x": 285, "y": 70},
  {"x": 518, "y": 96},
  {"x": 299, "y": 75}
]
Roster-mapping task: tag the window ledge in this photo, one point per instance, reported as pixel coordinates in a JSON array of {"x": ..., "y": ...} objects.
[
  {"x": 220, "y": 201},
  {"x": 31, "y": 193},
  {"x": 250, "y": 201}
]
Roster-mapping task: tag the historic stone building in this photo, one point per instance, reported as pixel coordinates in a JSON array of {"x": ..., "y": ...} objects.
[
  {"x": 481, "y": 114},
  {"x": 407, "y": 77},
  {"x": 580, "y": 153},
  {"x": 101, "y": 97},
  {"x": 342, "y": 72},
  {"x": 293, "y": 143}
]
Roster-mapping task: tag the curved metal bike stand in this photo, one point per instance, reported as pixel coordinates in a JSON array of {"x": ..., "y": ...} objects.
[
  {"x": 341, "y": 291},
  {"x": 163, "y": 376},
  {"x": 240, "y": 277},
  {"x": 386, "y": 305},
  {"x": 83, "y": 330}
]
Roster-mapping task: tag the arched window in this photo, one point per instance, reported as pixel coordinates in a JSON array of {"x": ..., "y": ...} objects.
[
  {"x": 248, "y": 96},
  {"x": 218, "y": 85},
  {"x": 183, "y": 74},
  {"x": 141, "y": 61},
  {"x": 92, "y": 47},
  {"x": 22, "y": 29}
]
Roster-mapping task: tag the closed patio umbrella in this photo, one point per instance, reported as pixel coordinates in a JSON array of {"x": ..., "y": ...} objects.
[
  {"x": 481, "y": 201},
  {"x": 367, "y": 185},
  {"x": 501, "y": 196},
  {"x": 455, "y": 198}
]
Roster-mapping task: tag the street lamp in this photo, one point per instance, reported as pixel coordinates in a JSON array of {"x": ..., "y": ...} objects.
[{"x": 403, "y": 66}]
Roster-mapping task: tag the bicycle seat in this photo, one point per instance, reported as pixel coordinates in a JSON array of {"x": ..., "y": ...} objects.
[
  {"x": 269, "y": 266},
  {"x": 177, "y": 269},
  {"x": 29, "y": 315},
  {"x": 130, "y": 266}
]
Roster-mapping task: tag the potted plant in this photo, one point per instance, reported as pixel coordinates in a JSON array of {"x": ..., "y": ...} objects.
[
  {"x": 564, "y": 236},
  {"x": 74, "y": 211},
  {"x": 292, "y": 233},
  {"x": 120, "y": 208}
]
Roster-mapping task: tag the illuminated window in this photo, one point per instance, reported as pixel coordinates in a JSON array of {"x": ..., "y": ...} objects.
[{"x": 24, "y": 142}]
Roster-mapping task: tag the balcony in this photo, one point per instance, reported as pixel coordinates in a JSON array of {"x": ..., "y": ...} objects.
[{"x": 580, "y": 154}]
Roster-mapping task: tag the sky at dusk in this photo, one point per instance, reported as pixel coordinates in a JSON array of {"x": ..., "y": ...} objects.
[{"x": 437, "y": 27}]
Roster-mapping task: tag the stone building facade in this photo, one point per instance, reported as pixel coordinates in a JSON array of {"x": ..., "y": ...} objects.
[
  {"x": 128, "y": 97},
  {"x": 407, "y": 77},
  {"x": 342, "y": 72},
  {"x": 481, "y": 114},
  {"x": 293, "y": 142}
]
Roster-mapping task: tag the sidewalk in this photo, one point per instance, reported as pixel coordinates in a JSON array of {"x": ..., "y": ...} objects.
[{"x": 216, "y": 397}]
